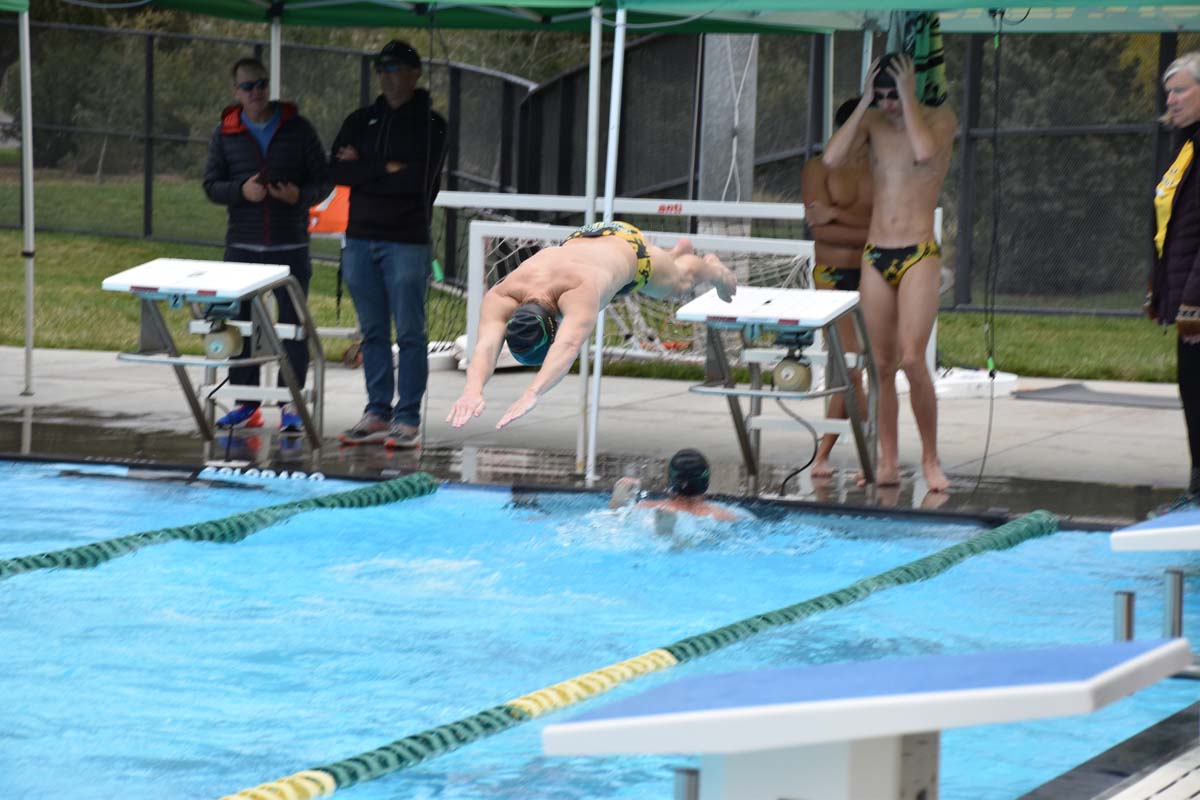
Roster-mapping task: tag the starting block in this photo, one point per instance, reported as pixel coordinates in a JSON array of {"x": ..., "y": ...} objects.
[
  {"x": 856, "y": 730},
  {"x": 792, "y": 315},
  {"x": 212, "y": 291}
]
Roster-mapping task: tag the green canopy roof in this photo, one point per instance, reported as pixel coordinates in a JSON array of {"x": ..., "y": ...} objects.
[
  {"x": 556, "y": 15},
  {"x": 14, "y": 5},
  {"x": 699, "y": 16}
]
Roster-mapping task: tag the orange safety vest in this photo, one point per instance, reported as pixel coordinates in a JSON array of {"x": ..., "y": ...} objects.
[{"x": 332, "y": 214}]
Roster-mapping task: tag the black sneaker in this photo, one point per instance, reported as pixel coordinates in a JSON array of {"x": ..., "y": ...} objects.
[
  {"x": 371, "y": 429},
  {"x": 401, "y": 436}
]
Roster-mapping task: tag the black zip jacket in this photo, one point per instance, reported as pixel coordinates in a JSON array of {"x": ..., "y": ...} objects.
[
  {"x": 294, "y": 155},
  {"x": 398, "y": 206},
  {"x": 1175, "y": 281}
]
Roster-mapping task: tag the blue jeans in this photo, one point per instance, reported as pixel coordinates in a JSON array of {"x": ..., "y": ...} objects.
[{"x": 388, "y": 282}]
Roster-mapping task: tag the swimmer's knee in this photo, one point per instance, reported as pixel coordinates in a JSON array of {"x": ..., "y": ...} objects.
[{"x": 913, "y": 361}]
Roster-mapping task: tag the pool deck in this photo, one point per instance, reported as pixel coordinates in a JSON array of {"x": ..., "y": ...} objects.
[{"x": 88, "y": 402}]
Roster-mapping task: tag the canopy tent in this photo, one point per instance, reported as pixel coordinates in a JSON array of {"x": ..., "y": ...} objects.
[
  {"x": 698, "y": 16},
  {"x": 21, "y": 7},
  {"x": 680, "y": 16}
]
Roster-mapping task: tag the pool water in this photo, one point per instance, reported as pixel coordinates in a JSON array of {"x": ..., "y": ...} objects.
[{"x": 196, "y": 669}]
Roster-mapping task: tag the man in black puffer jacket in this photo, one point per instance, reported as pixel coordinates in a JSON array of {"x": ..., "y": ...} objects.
[
  {"x": 390, "y": 154},
  {"x": 267, "y": 165}
]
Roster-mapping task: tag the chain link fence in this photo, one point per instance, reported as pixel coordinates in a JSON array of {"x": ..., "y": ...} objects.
[
  {"x": 122, "y": 121},
  {"x": 1062, "y": 185},
  {"x": 1049, "y": 187}
]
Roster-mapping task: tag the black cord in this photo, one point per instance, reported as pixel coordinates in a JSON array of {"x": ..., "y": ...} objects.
[
  {"x": 991, "y": 278},
  {"x": 816, "y": 446}
]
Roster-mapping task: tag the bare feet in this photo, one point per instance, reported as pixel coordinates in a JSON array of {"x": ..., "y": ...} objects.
[
  {"x": 723, "y": 279},
  {"x": 683, "y": 247},
  {"x": 934, "y": 500},
  {"x": 937, "y": 480},
  {"x": 821, "y": 469},
  {"x": 885, "y": 475},
  {"x": 887, "y": 496}
]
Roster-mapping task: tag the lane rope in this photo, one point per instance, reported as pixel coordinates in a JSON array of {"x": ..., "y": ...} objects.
[
  {"x": 226, "y": 530},
  {"x": 412, "y": 750}
]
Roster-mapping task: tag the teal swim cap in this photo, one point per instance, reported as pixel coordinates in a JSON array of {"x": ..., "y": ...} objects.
[{"x": 530, "y": 332}]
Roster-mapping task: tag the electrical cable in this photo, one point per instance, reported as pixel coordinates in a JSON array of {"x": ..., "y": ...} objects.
[
  {"x": 816, "y": 445},
  {"x": 991, "y": 277},
  {"x": 738, "y": 88}
]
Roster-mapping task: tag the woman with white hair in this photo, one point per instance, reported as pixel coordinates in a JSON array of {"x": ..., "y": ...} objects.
[{"x": 1174, "y": 296}]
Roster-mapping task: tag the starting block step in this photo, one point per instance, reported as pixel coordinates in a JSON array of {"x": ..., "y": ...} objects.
[
  {"x": 821, "y": 425},
  {"x": 263, "y": 394},
  {"x": 283, "y": 330}
]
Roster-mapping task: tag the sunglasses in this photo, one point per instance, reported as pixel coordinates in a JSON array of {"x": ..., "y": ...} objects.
[
  {"x": 891, "y": 94},
  {"x": 249, "y": 86},
  {"x": 391, "y": 66}
]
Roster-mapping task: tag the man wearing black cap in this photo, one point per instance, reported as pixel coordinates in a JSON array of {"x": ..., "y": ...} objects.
[
  {"x": 390, "y": 154},
  {"x": 547, "y": 307},
  {"x": 910, "y": 144}
]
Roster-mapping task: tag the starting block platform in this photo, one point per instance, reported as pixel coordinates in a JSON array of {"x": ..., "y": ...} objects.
[
  {"x": 755, "y": 311},
  {"x": 212, "y": 292},
  {"x": 1177, "y": 530},
  {"x": 857, "y": 730}
]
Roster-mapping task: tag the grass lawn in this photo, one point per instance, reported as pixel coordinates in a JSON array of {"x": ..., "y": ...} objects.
[
  {"x": 73, "y": 312},
  {"x": 1099, "y": 348}
]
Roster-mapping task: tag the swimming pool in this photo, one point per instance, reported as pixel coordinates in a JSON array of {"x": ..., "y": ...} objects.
[{"x": 197, "y": 669}]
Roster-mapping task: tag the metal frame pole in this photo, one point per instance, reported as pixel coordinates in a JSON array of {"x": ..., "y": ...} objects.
[
  {"x": 610, "y": 193},
  {"x": 276, "y": 57},
  {"x": 27, "y": 191},
  {"x": 589, "y": 214}
]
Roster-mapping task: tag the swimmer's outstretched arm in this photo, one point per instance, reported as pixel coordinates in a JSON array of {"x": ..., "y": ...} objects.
[
  {"x": 493, "y": 318},
  {"x": 573, "y": 331}
]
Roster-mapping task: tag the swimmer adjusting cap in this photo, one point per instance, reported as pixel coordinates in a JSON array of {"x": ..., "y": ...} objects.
[
  {"x": 883, "y": 80},
  {"x": 688, "y": 473},
  {"x": 530, "y": 332}
]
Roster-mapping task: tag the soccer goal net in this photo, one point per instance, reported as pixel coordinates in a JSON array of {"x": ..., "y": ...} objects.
[{"x": 762, "y": 242}]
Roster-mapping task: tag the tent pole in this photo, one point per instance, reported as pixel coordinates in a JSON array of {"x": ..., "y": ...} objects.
[
  {"x": 827, "y": 112},
  {"x": 868, "y": 45},
  {"x": 276, "y": 57},
  {"x": 589, "y": 214},
  {"x": 27, "y": 191},
  {"x": 610, "y": 192}
]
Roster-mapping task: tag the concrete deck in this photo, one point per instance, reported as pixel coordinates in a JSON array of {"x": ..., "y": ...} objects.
[{"x": 642, "y": 421}]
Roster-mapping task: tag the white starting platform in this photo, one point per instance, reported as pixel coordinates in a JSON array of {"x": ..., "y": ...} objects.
[
  {"x": 756, "y": 311},
  {"x": 856, "y": 730},
  {"x": 1177, "y": 530},
  {"x": 212, "y": 291}
]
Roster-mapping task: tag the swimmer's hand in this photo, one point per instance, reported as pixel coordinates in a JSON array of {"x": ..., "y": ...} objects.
[
  {"x": 868, "y": 92},
  {"x": 818, "y": 213},
  {"x": 464, "y": 408},
  {"x": 525, "y": 403},
  {"x": 904, "y": 72}
]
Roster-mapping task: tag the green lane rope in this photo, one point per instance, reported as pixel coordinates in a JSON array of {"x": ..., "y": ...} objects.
[
  {"x": 411, "y": 750},
  {"x": 225, "y": 530}
]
